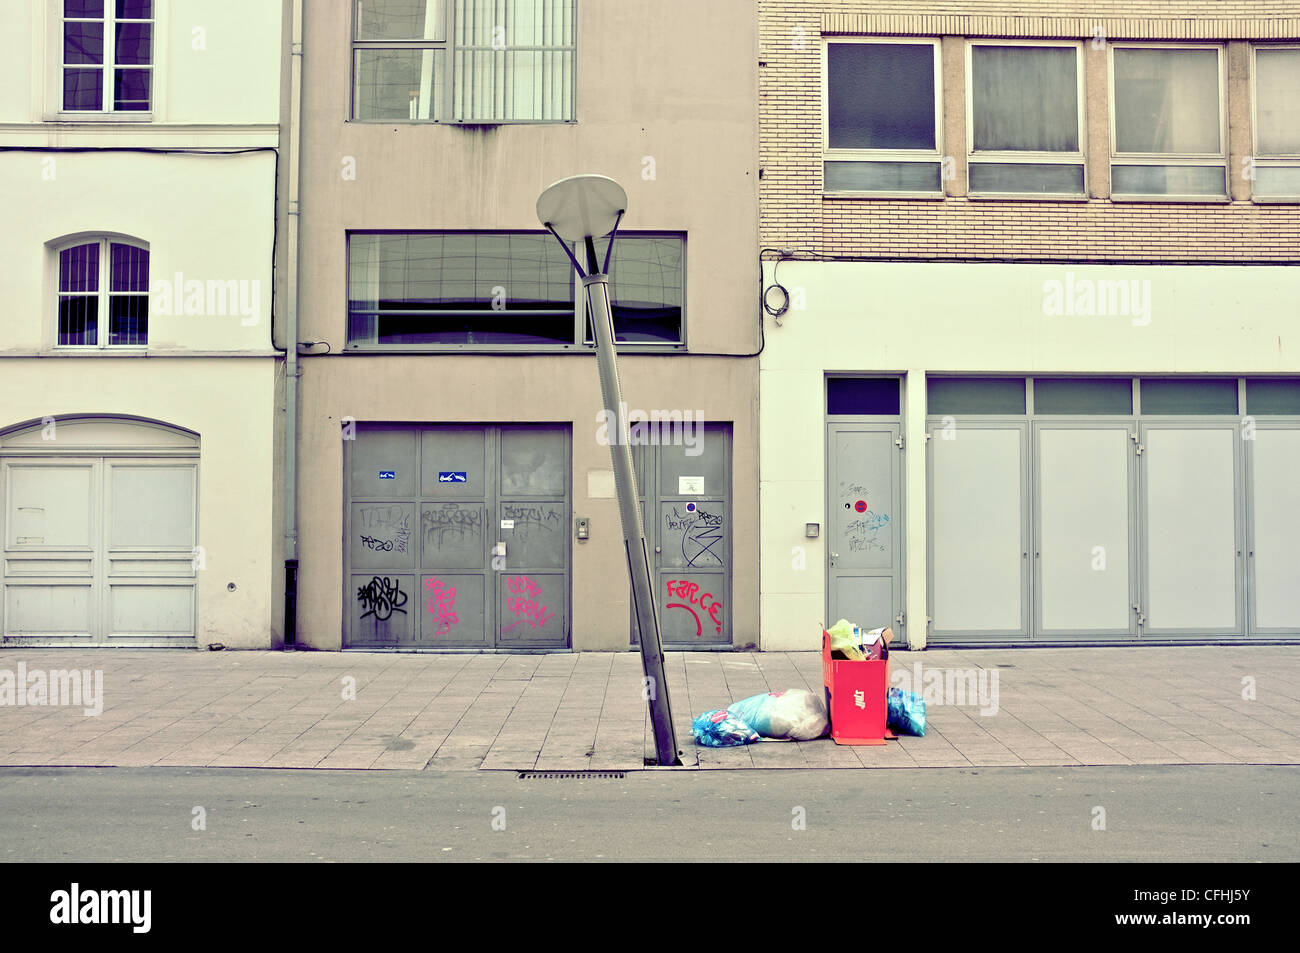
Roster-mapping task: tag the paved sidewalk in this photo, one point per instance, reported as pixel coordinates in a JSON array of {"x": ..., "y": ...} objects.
[{"x": 1097, "y": 706}]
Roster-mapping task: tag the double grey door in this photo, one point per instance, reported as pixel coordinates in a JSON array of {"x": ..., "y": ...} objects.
[
  {"x": 864, "y": 525},
  {"x": 458, "y": 536}
]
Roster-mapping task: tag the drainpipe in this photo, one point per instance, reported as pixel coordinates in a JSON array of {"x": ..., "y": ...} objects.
[{"x": 291, "y": 371}]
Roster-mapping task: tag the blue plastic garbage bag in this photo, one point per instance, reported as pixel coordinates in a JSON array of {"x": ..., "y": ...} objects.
[
  {"x": 906, "y": 712},
  {"x": 722, "y": 729},
  {"x": 793, "y": 715}
]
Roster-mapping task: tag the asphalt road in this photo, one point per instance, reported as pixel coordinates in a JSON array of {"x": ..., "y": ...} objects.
[{"x": 1183, "y": 813}]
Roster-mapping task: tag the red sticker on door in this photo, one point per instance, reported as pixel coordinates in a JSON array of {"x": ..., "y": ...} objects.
[{"x": 860, "y": 506}]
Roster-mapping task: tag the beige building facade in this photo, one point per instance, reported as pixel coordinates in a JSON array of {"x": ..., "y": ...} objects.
[
  {"x": 137, "y": 371},
  {"x": 1031, "y": 365},
  {"x": 454, "y": 477}
]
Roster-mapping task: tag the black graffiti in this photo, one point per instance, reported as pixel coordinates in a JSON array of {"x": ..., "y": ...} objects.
[
  {"x": 383, "y": 545},
  {"x": 381, "y": 597},
  {"x": 451, "y": 519},
  {"x": 543, "y": 517}
]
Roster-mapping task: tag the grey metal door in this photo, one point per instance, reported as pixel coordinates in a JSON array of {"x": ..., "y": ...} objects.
[
  {"x": 1085, "y": 544},
  {"x": 1273, "y": 549},
  {"x": 979, "y": 529},
  {"x": 688, "y": 533},
  {"x": 458, "y": 536},
  {"x": 1192, "y": 539},
  {"x": 864, "y": 565}
]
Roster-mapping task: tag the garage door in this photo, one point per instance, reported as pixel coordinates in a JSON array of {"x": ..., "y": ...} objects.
[
  {"x": 1158, "y": 509},
  {"x": 99, "y": 534},
  {"x": 458, "y": 537}
]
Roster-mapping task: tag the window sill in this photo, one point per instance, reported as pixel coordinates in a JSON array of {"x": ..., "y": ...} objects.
[
  {"x": 1185, "y": 199},
  {"x": 506, "y": 350},
  {"x": 76, "y": 118},
  {"x": 929, "y": 196},
  {"x": 1026, "y": 197},
  {"x": 1275, "y": 199},
  {"x": 465, "y": 124}
]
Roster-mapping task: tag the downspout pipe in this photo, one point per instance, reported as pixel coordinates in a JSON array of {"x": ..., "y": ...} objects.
[{"x": 291, "y": 370}]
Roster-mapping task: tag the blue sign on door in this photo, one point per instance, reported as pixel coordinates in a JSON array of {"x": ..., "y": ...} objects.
[
  {"x": 452, "y": 476},
  {"x": 388, "y": 474}
]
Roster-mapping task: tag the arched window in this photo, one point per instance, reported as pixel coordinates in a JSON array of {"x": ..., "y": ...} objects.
[{"x": 103, "y": 293}]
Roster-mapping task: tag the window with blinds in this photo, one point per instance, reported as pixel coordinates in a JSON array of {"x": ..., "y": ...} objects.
[
  {"x": 107, "y": 55},
  {"x": 464, "y": 61}
]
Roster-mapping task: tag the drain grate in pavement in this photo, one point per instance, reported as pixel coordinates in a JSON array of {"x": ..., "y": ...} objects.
[{"x": 570, "y": 775}]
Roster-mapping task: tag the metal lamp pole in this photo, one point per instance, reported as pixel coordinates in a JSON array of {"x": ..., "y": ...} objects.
[{"x": 587, "y": 204}]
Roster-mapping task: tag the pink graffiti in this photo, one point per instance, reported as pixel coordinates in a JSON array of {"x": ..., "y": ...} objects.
[
  {"x": 442, "y": 602},
  {"x": 525, "y": 604},
  {"x": 690, "y": 591}
]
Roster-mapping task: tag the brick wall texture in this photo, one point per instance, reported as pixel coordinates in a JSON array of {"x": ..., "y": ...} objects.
[{"x": 796, "y": 214}]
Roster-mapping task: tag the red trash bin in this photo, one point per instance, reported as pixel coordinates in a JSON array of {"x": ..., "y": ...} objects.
[{"x": 856, "y": 698}]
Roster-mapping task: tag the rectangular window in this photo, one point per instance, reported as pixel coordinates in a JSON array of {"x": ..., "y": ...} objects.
[
  {"x": 1269, "y": 396},
  {"x": 107, "y": 55},
  {"x": 882, "y": 117},
  {"x": 1026, "y": 119},
  {"x": 1277, "y": 123},
  {"x": 1207, "y": 395},
  {"x": 464, "y": 61},
  {"x": 1168, "y": 136},
  {"x": 975, "y": 395},
  {"x": 494, "y": 289},
  {"x": 103, "y": 277},
  {"x": 863, "y": 396},
  {"x": 1112, "y": 396}
]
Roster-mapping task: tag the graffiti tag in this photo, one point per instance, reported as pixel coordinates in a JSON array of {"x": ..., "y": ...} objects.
[
  {"x": 381, "y": 597},
  {"x": 442, "y": 603},
  {"x": 525, "y": 604},
  {"x": 690, "y": 591}
]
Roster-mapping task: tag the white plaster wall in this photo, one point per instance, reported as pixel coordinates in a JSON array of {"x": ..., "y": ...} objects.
[
  {"x": 919, "y": 318},
  {"x": 216, "y": 61},
  {"x": 230, "y": 403},
  {"x": 207, "y": 217}
]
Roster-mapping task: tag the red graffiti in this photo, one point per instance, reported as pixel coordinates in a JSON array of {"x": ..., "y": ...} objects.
[
  {"x": 442, "y": 602},
  {"x": 690, "y": 591},
  {"x": 525, "y": 604}
]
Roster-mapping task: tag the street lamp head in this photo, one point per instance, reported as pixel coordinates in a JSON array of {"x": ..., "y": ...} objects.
[{"x": 582, "y": 206}]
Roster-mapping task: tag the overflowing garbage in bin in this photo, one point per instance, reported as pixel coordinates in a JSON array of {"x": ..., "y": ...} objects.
[{"x": 858, "y": 706}]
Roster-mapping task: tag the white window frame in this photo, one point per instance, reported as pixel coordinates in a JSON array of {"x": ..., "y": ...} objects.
[
  {"x": 1193, "y": 159},
  {"x": 1278, "y": 161},
  {"x": 1027, "y": 157},
  {"x": 108, "y": 67},
  {"x": 104, "y": 240},
  {"x": 883, "y": 155},
  {"x": 446, "y": 105},
  {"x": 579, "y": 342}
]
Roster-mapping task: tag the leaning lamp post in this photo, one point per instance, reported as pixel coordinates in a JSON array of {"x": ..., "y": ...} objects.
[{"x": 582, "y": 209}]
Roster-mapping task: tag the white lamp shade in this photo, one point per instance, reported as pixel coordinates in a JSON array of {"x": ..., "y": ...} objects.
[{"x": 582, "y": 206}]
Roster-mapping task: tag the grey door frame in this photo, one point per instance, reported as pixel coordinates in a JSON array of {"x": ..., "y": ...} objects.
[
  {"x": 492, "y": 506},
  {"x": 1253, "y": 630},
  {"x": 933, "y": 427},
  {"x": 1129, "y": 423},
  {"x": 875, "y": 423},
  {"x": 1191, "y": 422}
]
